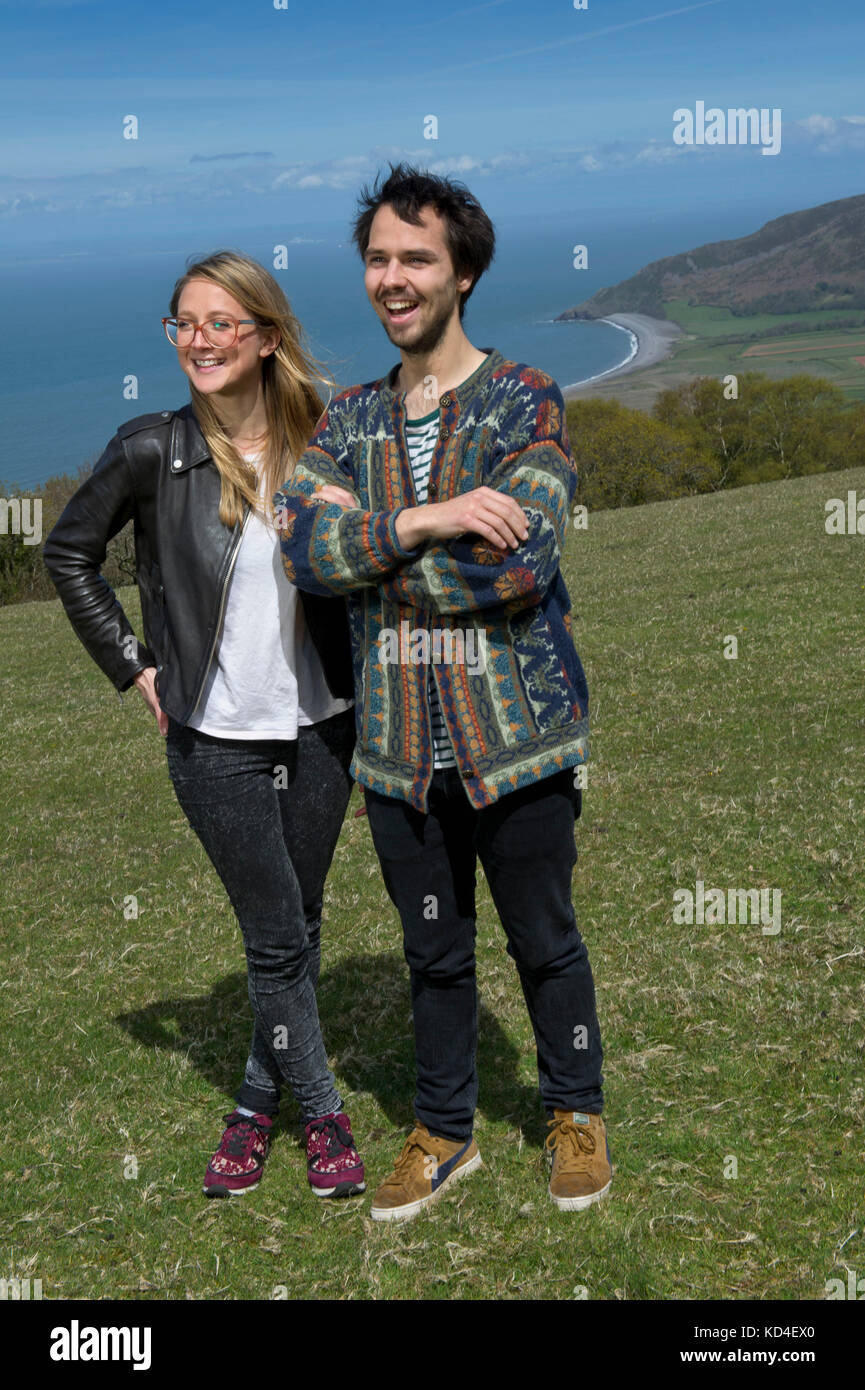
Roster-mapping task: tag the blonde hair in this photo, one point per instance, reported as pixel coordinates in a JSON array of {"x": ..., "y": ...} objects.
[{"x": 290, "y": 378}]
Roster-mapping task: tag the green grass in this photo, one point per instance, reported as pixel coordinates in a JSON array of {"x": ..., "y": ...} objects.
[
  {"x": 125, "y": 1039},
  {"x": 711, "y": 320},
  {"x": 829, "y": 353},
  {"x": 711, "y": 348}
]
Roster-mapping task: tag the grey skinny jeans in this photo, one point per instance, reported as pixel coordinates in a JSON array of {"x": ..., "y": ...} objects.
[{"x": 271, "y": 839}]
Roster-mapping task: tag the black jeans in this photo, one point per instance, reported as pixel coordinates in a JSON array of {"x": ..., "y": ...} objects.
[
  {"x": 271, "y": 837},
  {"x": 525, "y": 842}
]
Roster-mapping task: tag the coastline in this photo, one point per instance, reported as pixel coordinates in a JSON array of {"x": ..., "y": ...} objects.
[{"x": 652, "y": 340}]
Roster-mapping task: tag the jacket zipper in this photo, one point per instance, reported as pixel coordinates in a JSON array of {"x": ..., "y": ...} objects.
[{"x": 219, "y": 615}]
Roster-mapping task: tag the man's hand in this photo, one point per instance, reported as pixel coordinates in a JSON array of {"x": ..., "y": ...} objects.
[
  {"x": 483, "y": 512},
  {"x": 145, "y": 681}
]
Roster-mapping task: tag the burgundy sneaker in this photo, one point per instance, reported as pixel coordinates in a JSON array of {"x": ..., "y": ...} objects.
[
  {"x": 333, "y": 1164},
  {"x": 238, "y": 1162}
]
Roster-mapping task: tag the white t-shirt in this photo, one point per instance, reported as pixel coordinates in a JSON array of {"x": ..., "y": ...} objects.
[{"x": 266, "y": 677}]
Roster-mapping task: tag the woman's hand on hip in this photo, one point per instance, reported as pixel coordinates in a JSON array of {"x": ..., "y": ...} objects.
[{"x": 146, "y": 683}]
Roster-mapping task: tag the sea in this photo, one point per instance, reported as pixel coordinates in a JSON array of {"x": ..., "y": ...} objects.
[{"x": 83, "y": 350}]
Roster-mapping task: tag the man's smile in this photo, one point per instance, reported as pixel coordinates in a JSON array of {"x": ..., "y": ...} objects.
[{"x": 400, "y": 310}]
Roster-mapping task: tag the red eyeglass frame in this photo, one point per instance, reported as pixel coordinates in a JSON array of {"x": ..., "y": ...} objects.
[{"x": 195, "y": 327}]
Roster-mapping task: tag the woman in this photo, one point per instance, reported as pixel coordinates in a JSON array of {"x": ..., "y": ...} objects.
[{"x": 249, "y": 681}]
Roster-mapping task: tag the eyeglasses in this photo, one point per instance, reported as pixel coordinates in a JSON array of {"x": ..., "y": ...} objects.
[{"x": 218, "y": 332}]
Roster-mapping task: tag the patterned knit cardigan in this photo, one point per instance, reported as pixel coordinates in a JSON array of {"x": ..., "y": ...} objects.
[{"x": 524, "y": 716}]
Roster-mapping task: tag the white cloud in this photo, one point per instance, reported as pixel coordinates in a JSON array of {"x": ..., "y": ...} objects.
[
  {"x": 657, "y": 153},
  {"x": 819, "y": 125},
  {"x": 205, "y": 181},
  {"x": 831, "y": 134},
  {"x": 462, "y": 164}
]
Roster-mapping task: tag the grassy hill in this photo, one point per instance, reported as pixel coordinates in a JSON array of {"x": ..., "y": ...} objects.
[
  {"x": 806, "y": 260},
  {"x": 125, "y": 1037},
  {"x": 788, "y": 298}
]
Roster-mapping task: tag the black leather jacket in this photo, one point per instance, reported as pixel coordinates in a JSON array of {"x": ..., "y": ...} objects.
[{"x": 157, "y": 470}]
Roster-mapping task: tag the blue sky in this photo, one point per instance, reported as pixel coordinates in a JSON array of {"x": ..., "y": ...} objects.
[{"x": 251, "y": 116}]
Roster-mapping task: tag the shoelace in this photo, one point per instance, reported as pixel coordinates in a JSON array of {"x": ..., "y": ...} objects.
[
  {"x": 414, "y": 1141},
  {"x": 243, "y": 1132},
  {"x": 582, "y": 1143},
  {"x": 335, "y": 1137}
]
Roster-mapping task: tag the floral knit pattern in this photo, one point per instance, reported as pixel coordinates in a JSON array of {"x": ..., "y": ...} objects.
[{"x": 524, "y": 716}]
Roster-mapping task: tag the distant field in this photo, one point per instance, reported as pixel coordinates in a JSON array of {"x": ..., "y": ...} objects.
[
  {"x": 829, "y": 353},
  {"x": 733, "y": 1058},
  {"x": 711, "y": 320},
  {"x": 833, "y": 354},
  {"x": 790, "y": 349}
]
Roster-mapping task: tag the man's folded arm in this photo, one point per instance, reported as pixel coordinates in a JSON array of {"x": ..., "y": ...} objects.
[
  {"x": 468, "y": 572},
  {"x": 327, "y": 548}
]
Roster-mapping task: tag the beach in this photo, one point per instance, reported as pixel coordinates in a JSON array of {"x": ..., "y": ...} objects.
[{"x": 652, "y": 341}]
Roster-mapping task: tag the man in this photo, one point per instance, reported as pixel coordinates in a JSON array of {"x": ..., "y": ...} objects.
[{"x": 436, "y": 500}]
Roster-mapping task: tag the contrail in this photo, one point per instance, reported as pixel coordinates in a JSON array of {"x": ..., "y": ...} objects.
[
  {"x": 575, "y": 38},
  {"x": 449, "y": 18}
]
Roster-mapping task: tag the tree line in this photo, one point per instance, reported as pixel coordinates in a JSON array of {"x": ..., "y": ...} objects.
[
  {"x": 704, "y": 435},
  {"x": 700, "y": 436}
]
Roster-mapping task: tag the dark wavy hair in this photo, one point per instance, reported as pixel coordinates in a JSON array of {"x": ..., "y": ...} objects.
[{"x": 470, "y": 234}]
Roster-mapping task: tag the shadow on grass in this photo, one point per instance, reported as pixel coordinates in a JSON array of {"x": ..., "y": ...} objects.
[{"x": 365, "y": 1009}]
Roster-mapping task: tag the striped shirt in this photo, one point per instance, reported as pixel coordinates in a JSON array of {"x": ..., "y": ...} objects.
[{"x": 421, "y": 438}]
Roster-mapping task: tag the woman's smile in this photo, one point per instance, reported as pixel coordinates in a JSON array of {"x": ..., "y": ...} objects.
[{"x": 207, "y": 365}]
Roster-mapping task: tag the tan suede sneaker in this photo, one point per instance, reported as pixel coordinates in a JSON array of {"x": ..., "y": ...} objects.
[
  {"x": 580, "y": 1155},
  {"x": 424, "y": 1170}
]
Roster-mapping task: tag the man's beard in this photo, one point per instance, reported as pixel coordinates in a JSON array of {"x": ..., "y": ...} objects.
[{"x": 428, "y": 340}]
